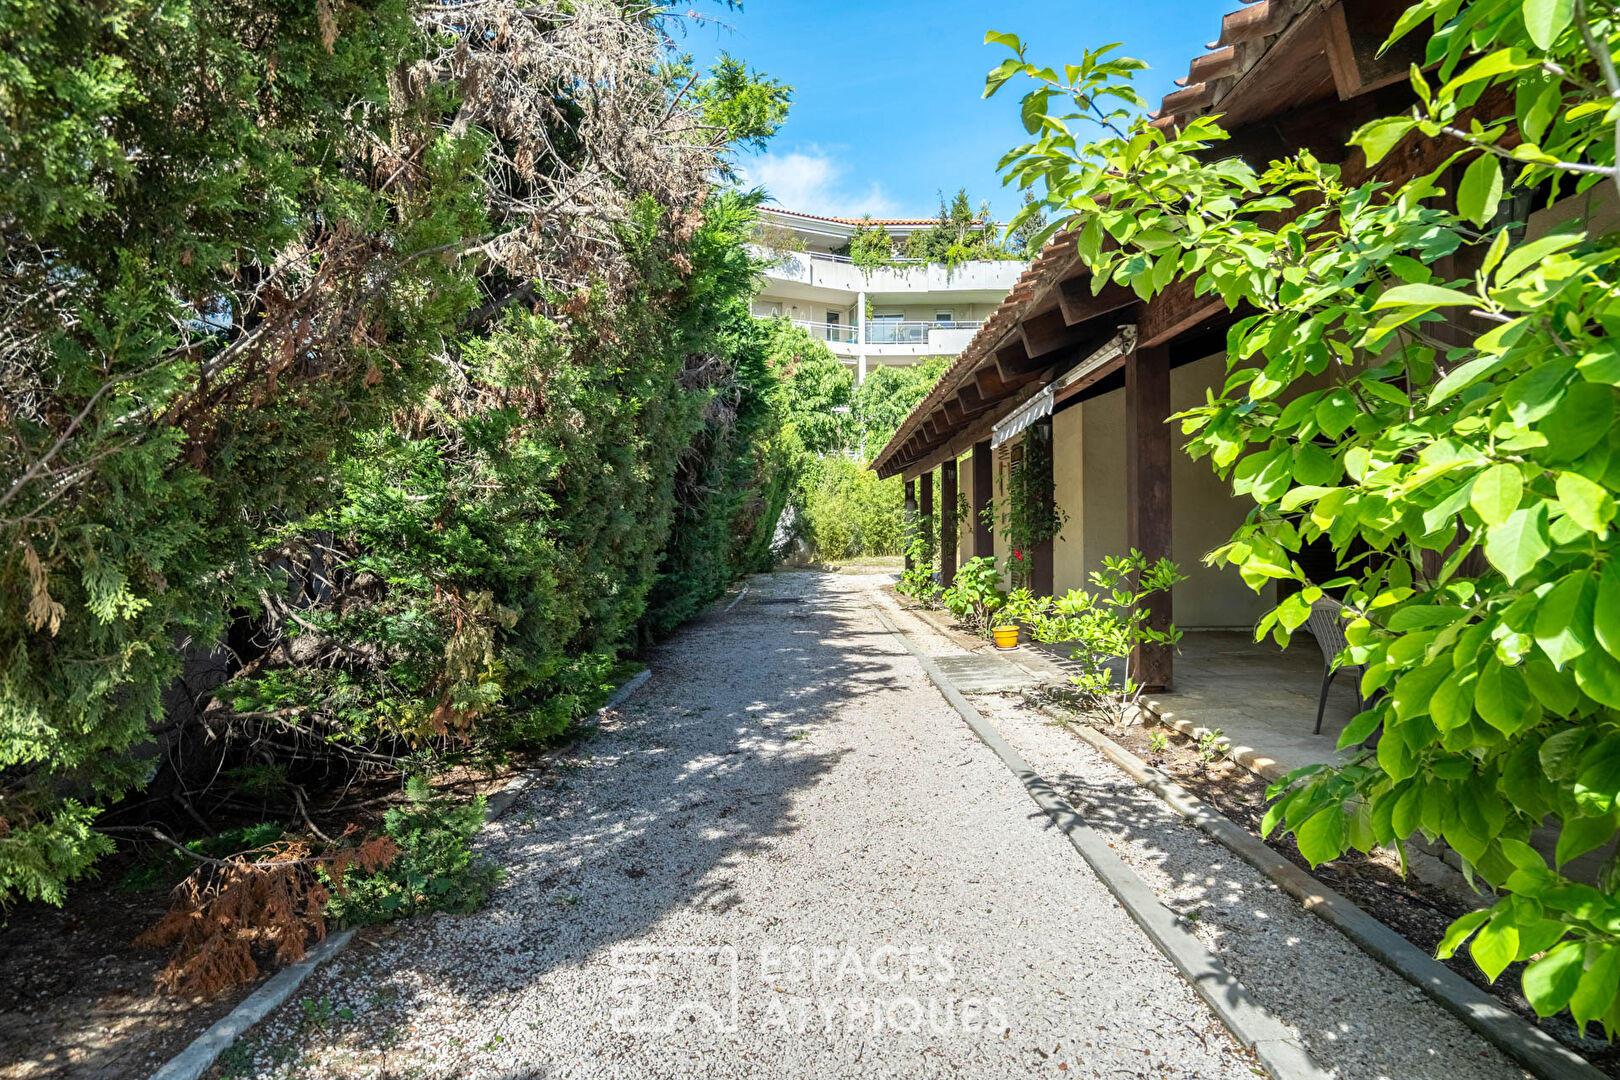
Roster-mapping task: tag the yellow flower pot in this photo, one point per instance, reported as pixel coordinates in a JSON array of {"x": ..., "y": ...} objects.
[{"x": 1006, "y": 637}]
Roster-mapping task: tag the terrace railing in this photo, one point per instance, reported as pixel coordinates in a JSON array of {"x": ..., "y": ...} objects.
[{"x": 898, "y": 332}]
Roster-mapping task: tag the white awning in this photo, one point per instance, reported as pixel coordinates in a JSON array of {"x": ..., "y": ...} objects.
[
  {"x": 1040, "y": 406},
  {"x": 1121, "y": 343},
  {"x": 1036, "y": 408}
]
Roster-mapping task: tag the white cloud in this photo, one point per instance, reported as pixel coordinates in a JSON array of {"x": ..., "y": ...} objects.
[{"x": 814, "y": 182}]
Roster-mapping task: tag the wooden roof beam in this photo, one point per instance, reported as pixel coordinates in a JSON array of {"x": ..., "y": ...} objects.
[
  {"x": 1014, "y": 362},
  {"x": 1078, "y": 305}
]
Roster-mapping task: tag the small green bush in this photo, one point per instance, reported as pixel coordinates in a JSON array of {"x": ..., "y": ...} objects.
[
  {"x": 850, "y": 513},
  {"x": 435, "y": 869},
  {"x": 976, "y": 595},
  {"x": 1107, "y": 623}
]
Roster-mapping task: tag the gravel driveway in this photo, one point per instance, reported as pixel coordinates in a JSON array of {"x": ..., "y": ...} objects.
[{"x": 788, "y": 857}]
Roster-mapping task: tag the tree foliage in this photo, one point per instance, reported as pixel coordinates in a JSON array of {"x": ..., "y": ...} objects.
[
  {"x": 406, "y": 341},
  {"x": 1432, "y": 393},
  {"x": 958, "y": 235}
]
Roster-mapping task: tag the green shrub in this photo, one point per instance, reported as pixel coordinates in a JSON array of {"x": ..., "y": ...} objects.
[
  {"x": 435, "y": 869},
  {"x": 976, "y": 595},
  {"x": 1107, "y": 623},
  {"x": 850, "y": 513}
]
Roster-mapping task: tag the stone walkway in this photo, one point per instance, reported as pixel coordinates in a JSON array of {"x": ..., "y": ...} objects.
[{"x": 787, "y": 857}]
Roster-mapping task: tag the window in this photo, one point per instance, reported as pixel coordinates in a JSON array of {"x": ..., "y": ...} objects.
[
  {"x": 832, "y": 318},
  {"x": 944, "y": 316}
]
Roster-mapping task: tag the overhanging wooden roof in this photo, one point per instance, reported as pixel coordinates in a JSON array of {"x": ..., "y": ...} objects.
[{"x": 1284, "y": 74}]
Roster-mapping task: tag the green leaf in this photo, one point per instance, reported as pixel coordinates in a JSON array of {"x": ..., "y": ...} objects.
[
  {"x": 1546, "y": 19},
  {"x": 1495, "y": 946},
  {"x": 1580, "y": 835},
  {"x": 1554, "y": 690},
  {"x": 1465, "y": 375},
  {"x": 1090, "y": 243},
  {"x": 1599, "y": 781},
  {"x": 1378, "y": 138},
  {"x": 1581, "y": 420},
  {"x": 1560, "y": 755},
  {"x": 1501, "y": 696},
  {"x": 1336, "y": 411},
  {"x": 1414, "y": 689},
  {"x": 1606, "y": 610},
  {"x": 1598, "y": 985},
  {"x": 1532, "y": 254},
  {"x": 1496, "y": 493},
  {"x": 1550, "y": 982},
  {"x": 1458, "y": 932},
  {"x": 1361, "y": 725},
  {"x": 1536, "y": 393},
  {"x": 1322, "y": 836},
  {"x": 1406, "y": 816},
  {"x": 1588, "y": 504},
  {"x": 1598, "y": 675},
  {"x": 1427, "y": 296},
  {"x": 1564, "y": 619},
  {"x": 1519, "y": 543},
  {"x": 1395, "y": 757},
  {"x": 1602, "y": 363},
  {"x": 1480, "y": 192},
  {"x": 1452, "y": 705}
]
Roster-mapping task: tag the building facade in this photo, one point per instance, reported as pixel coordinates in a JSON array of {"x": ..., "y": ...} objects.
[
  {"x": 1096, "y": 374},
  {"x": 898, "y": 315}
]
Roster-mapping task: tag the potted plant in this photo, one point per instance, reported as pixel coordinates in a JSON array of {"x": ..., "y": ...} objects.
[{"x": 1006, "y": 636}]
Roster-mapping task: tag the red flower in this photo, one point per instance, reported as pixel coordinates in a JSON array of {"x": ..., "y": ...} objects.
[{"x": 1019, "y": 555}]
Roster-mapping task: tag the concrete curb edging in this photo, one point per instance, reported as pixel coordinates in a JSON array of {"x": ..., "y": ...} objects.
[
  {"x": 1277, "y": 1048},
  {"x": 201, "y": 1053},
  {"x": 735, "y": 601},
  {"x": 1509, "y": 1032},
  {"x": 195, "y": 1059}
]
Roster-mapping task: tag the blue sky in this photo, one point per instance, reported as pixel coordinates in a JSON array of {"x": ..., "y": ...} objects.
[{"x": 886, "y": 106}]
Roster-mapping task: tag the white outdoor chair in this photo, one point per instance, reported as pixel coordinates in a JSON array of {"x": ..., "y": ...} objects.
[{"x": 1327, "y": 626}]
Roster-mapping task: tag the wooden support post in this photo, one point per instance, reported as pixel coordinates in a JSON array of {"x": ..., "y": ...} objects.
[
  {"x": 947, "y": 523},
  {"x": 909, "y": 518},
  {"x": 1147, "y": 492},
  {"x": 1040, "y": 568},
  {"x": 928, "y": 522},
  {"x": 983, "y": 480}
]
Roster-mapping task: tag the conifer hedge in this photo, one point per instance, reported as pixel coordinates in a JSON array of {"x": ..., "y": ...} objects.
[{"x": 398, "y": 362}]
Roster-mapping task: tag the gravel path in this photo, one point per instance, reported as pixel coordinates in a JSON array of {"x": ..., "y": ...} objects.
[
  {"x": 787, "y": 857},
  {"x": 1354, "y": 1015}
]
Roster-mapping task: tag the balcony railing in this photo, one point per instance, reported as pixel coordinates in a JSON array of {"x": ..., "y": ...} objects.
[
  {"x": 896, "y": 332},
  {"x": 880, "y": 331},
  {"x": 822, "y": 330}
]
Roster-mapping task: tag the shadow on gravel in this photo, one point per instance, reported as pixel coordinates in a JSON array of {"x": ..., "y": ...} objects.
[
  {"x": 1349, "y": 1011},
  {"x": 639, "y": 823}
]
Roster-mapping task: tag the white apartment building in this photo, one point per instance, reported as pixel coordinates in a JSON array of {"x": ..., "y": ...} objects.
[{"x": 897, "y": 315}]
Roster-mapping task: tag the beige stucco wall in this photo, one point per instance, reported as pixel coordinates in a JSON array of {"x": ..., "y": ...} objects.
[
  {"x": 964, "y": 525},
  {"x": 1068, "y": 488},
  {"x": 1204, "y": 514},
  {"x": 1102, "y": 484},
  {"x": 1089, "y": 477}
]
